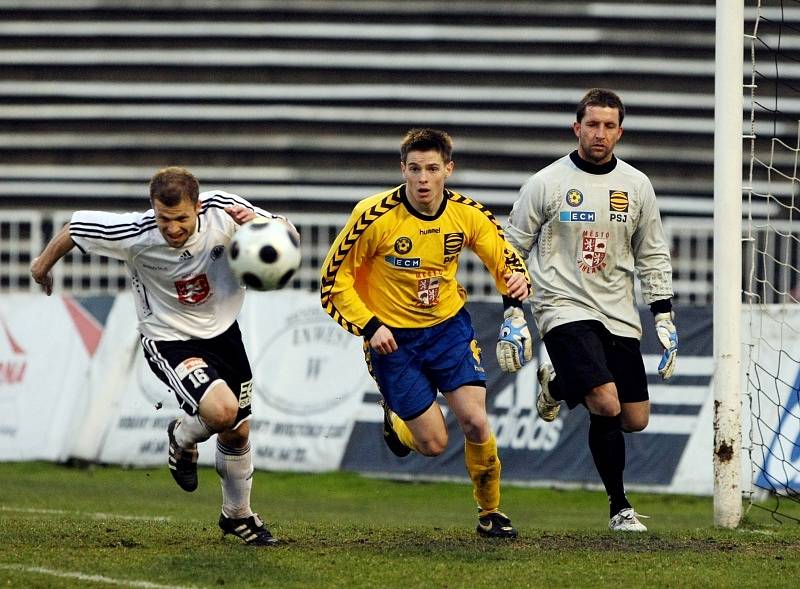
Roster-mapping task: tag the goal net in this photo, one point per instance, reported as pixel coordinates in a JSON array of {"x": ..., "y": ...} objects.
[{"x": 771, "y": 258}]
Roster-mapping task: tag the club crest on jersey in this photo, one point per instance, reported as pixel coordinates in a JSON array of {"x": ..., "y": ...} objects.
[
  {"x": 193, "y": 291},
  {"x": 428, "y": 291},
  {"x": 574, "y": 197},
  {"x": 217, "y": 251},
  {"x": 403, "y": 245},
  {"x": 594, "y": 245}
]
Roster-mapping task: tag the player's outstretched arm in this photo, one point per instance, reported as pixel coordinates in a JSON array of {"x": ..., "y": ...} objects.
[{"x": 59, "y": 246}]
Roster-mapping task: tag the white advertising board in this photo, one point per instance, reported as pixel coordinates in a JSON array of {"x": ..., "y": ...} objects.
[{"x": 46, "y": 345}]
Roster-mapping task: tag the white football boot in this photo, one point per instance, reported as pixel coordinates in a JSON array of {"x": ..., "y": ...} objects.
[{"x": 627, "y": 521}]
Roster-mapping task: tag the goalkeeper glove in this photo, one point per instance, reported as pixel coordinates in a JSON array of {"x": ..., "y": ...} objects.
[
  {"x": 514, "y": 347},
  {"x": 665, "y": 329}
]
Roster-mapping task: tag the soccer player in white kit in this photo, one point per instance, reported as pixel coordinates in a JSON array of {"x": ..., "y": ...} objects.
[
  {"x": 187, "y": 301},
  {"x": 586, "y": 224}
]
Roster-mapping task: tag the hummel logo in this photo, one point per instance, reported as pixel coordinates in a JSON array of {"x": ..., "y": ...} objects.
[{"x": 186, "y": 255}]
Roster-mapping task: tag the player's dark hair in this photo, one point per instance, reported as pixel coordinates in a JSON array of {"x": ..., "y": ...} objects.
[
  {"x": 171, "y": 185},
  {"x": 600, "y": 97},
  {"x": 427, "y": 140}
]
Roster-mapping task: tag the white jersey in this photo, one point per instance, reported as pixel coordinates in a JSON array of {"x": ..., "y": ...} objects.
[
  {"x": 584, "y": 231},
  {"x": 181, "y": 293}
]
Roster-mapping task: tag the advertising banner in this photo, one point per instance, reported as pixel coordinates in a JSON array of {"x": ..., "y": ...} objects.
[
  {"x": 46, "y": 344},
  {"x": 309, "y": 376},
  {"x": 71, "y": 387}
]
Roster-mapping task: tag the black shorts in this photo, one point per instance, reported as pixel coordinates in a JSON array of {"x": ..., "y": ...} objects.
[
  {"x": 586, "y": 355},
  {"x": 190, "y": 368}
]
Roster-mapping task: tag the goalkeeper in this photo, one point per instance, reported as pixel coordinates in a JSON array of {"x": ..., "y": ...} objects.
[
  {"x": 390, "y": 277},
  {"x": 586, "y": 224}
]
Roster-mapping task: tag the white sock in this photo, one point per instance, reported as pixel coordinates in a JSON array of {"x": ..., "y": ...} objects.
[
  {"x": 190, "y": 431},
  {"x": 235, "y": 469}
]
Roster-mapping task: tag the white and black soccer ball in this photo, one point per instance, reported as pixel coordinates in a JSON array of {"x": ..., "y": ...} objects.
[{"x": 264, "y": 254}]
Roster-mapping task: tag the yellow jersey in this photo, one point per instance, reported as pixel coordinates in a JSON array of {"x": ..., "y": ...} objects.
[{"x": 394, "y": 266}]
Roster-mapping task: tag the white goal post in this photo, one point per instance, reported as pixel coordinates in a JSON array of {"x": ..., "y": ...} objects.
[{"x": 728, "y": 261}]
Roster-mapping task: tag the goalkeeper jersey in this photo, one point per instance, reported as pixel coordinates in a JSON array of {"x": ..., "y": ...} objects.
[
  {"x": 393, "y": 265},
  {"x": 180, "y": 293},
  {"x": 585, "y": 230}
]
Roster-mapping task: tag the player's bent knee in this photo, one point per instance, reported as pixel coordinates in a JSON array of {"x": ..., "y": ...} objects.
[
  {"x": 603, "y": 402},
  {"x": 634, "y": 425},
  {"x": 432, "y": 447},
  {"x": 222, "y": 419},
  {"x": 219, "y": 409},
  {"x": 476, "y": 429},
  {"x": 606, "y": 410},
  {"x": 606, "y": 405}
]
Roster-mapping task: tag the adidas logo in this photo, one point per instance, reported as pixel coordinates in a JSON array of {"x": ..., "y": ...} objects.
[{"x": 186, "y": 255}]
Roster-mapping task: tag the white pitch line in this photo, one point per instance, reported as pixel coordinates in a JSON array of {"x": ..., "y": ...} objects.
[
  {"x": 91, "y": 514},
  {"x": 92, "y": 578}
]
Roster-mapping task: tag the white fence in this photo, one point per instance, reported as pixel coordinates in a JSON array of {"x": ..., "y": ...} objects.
[{"x": 23, "y": 234}]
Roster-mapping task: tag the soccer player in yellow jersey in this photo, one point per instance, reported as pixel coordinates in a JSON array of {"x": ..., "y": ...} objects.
[{"x": 390, "y": 277}]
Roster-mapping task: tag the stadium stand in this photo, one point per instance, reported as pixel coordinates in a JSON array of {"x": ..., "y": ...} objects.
[
  {"x": 304, "y": 102},
  {"x": 300, "y": 106}
]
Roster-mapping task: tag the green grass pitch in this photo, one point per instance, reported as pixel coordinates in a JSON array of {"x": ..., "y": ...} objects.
[{"x": 112, "y": 527}]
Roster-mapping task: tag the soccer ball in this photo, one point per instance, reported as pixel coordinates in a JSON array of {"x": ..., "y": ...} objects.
[{"x": 264, "y": 254}]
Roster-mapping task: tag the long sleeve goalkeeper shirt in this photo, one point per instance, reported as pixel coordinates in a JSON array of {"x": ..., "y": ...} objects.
[
  {"x": 586, "y": 231},
  {"x": 394, "y": 266}
]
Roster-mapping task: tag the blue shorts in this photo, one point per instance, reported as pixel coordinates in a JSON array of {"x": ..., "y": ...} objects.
[{"x": 428, "y": 359}]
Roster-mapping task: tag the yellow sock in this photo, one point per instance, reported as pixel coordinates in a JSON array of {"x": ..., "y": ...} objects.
[
  {"x": 483, "y": 466},
  {"x": 403, "y": 433}
]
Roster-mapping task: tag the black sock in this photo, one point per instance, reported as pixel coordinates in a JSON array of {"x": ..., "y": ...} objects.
[{"x": 608, "y": 451}]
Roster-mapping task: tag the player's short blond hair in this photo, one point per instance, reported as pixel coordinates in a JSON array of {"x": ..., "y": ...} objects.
[
  {"x": 172, "y": 185},
  {"x": 427, "y": 140}
]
